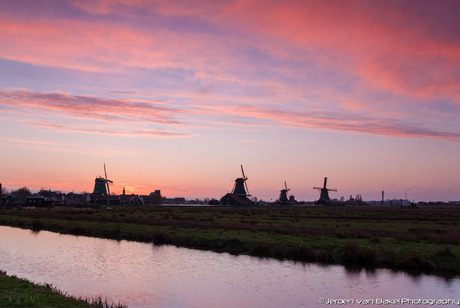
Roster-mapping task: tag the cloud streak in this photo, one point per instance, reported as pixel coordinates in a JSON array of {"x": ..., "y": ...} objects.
[
  {"x": 130, "y": 133},
  {"x": 340, "y": 121},
  {"x": 135, "y": 114},
  {"x": 135, "y": 117},
  {"x": 91, "y": 107}
]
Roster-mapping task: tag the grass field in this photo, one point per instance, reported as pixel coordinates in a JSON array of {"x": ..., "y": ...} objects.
[
  {"x": 422, "y": 239},
  {"x": 16, "y": 292}
]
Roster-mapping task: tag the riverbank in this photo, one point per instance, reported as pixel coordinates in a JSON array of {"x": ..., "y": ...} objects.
[
  {"x": 423, "y": 239},
  {"x": 17, "y": 292}
]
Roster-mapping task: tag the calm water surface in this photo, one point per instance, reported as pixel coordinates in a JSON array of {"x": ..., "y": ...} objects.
[{"x": 143, "y": 275}]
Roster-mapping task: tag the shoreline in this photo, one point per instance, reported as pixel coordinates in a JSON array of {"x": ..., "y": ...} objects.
[{"x": 21, "y": 292}]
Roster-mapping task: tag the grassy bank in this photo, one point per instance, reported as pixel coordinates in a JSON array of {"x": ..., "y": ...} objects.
[
  {"x": 16, "y": 292},
  {"x": 424, "y": 239}
]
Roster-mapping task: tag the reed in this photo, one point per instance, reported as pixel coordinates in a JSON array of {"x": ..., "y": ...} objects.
[{"x": 19, "y": 292}]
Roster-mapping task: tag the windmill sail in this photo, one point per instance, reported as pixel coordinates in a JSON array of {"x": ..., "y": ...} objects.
[
  {"x": 101, "y": 185},
  {"x": 324, "y": 195},
  {"x": 240, "y": 193},
  {"x": 107, "y": 181},
  {"x": 283, "y": 194},
  {"x": 241, "y": 187}
]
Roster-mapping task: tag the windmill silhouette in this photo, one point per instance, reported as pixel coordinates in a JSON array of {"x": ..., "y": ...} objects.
[
  {"x": 101, "y": 185},
  {"x": 240, "y": 193},
  {"x": 324, "y": 196},
  {"x": 241, "y": 187},
  {"x": 283, "y": 194}
]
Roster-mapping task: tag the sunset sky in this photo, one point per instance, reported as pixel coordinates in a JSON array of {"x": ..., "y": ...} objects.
[{"x": 176, "y": 95}]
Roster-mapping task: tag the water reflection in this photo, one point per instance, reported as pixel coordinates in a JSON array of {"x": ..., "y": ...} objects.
[{"x": 144, "y": 275}]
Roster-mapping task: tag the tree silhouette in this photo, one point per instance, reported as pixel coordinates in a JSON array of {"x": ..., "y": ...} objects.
[{"x": 21, "y": 193}]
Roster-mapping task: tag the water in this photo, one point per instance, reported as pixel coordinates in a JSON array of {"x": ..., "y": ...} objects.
[{"x": 143, "y": 275}]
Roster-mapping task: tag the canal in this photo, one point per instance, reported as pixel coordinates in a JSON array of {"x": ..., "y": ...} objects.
[{"x": 144, "y": 275}]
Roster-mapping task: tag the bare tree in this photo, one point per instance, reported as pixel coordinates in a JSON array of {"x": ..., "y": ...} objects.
[{"x": 21, "y": 193}]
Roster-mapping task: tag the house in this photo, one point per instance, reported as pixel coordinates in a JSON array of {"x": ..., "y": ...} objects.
[
  {"x": 8, "y": 199},
  {"x": 36, "y": 200},
  {"x": 233, "y": 199},
  {"x": 104, "y": 199},
  {"x": 177, "y": 200},
  {"x": 131, "y": 200},
  {"x": 76, "y": 199}
]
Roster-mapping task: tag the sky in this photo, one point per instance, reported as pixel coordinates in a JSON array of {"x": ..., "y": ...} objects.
[{"x": 176, "y": 95}]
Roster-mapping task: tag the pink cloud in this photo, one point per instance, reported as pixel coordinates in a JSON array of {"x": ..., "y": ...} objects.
[
  {"x": 375, "y": 40},
  {"x": 107, "y": 46},
  {"x": 90, "y": 107},
  {"x": 372, "y": 40},
  {"x": 407, "y": 49},
  {"x": 367, "y": 33},
  {"x": 137, "y": 115},
  {"x": 293, "y": 53}
]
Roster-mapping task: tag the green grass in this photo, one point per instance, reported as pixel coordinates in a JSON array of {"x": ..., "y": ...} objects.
[
  {"x": 424, "y": 239},
  {"x": 16, "y": 292}
]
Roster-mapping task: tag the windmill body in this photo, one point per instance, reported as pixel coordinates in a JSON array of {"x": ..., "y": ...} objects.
[
  {"x": 241, "y": 187},
  {"x": 101, "y": 185},
  {"x": 284, "y": 194},
  {"x": 239, "y": 194},
  {"x": 324, "y": 195}
]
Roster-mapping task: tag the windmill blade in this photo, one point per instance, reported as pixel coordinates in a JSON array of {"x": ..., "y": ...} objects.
[
  {"x": 285, "y": 185},
  {"x": 247, "y": 190},
  {"x": 242, "y": 171},
  {"x": 325, "y": 182},
  {"x": 244, "y": 180},
  {"x": 317, "y": 188},
  {"x": 107, "y": 181},
  {"x": 331, "y": 189},
  {"x": 105, "y": 172}
]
